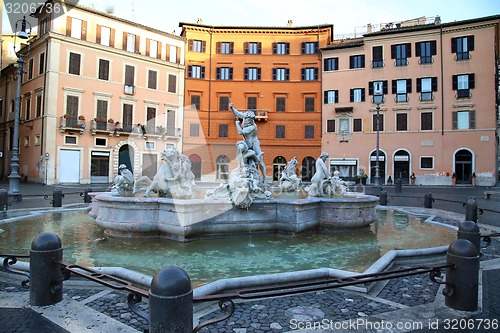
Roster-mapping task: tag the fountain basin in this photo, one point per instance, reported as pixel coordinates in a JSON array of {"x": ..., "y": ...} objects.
[{"x": 190, "y": 219}]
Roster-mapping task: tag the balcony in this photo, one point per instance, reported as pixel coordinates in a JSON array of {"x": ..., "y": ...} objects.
[
  {"x": 72, "y": 124},
  {"x": 260, "y": 114}
]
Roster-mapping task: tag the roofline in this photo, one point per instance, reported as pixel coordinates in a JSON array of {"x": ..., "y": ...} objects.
[{"x": 226, "y": 27}]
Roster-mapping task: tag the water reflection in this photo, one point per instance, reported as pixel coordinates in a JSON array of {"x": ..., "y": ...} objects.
[{"x": 208, "y": 260}]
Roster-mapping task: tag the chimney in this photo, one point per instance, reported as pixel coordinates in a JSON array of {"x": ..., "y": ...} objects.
[{"x": 290, "y": 23}]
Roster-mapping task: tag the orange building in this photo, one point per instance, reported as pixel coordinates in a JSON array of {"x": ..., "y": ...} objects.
[
  {"x": 439, "y": 114},
  {"x": 275, "y": 71}
]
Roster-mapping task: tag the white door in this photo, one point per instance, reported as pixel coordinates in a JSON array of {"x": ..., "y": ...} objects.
[{"x": 69, "y": 166}]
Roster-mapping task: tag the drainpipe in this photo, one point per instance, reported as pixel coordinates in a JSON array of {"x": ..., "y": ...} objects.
[
  {"x": 210, "y": 81},
  {"x": 42, "y": 134},
  {"x": 442, "y": 79}
]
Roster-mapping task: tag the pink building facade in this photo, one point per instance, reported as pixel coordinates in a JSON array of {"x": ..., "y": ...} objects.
[{"x": 439, "y": 114}]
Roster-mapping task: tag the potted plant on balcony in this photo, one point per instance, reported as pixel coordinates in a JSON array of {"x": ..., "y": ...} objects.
[
  {"x": 110, "y": 120},
  {"x": 81, "y": 117},
  {"x": 412, "y": 179},
  {"x": 66, "y": 116},
  {"x": 97, "y": 120}
]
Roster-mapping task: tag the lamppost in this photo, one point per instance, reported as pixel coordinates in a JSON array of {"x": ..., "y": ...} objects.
[
  {"x": 14, "y": 165},
  {"x": 378, "y": 98}
]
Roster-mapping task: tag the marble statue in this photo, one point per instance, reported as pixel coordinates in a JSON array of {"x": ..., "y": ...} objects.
[
  {"x": 321, "y": 174},
  {"x": 289, "y": 181},
  {"x": 174, "y": 178},
  {"x": 245, "y": 184},
  {"x": 123, "y": 182}
]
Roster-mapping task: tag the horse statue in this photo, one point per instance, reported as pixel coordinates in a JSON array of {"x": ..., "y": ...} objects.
[
  {"x": 289, "y": 181},
  {"x": 173, "y": 179}
]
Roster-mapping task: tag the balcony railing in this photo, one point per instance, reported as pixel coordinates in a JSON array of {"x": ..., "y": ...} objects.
[
  {"x": 260, "y": 114},
  {"x": 72, "y": 124}
]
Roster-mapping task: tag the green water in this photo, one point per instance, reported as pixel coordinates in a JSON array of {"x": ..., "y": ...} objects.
[{"x": 209, "y": 260}]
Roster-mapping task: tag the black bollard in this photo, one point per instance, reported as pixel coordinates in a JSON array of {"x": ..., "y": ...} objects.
[
  {"x": 470, "y": 231},
  {"x": 57, "y": 196},
  {"x": 471, "y": 210},
  {"x": 462, "y": 291},
  {"x": 4, "y": 201},
  {"x": 171, "y": 302},
  {"x": 45, "y": 276},
  {"x": 428, "y": 200},
  {"x": 383, "y": 198},
  {"x": 399, "y": 185},
  {"x": 86, "y": 196}
]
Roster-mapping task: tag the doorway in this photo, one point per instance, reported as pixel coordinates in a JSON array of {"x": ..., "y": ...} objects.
[
  {"x": 463, "y": 166},
  {"x": 402, "y": 166}
]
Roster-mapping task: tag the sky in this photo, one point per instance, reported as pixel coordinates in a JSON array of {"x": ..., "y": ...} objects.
[{"x": 347, "y": 17}]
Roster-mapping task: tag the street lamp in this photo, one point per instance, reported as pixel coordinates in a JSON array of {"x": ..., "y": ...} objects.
[
  {"x": 14, "y": 165},
  {"x": 378, "y": 98}
]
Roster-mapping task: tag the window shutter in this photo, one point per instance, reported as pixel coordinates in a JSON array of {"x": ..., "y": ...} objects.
[
  {"x": 98, "y": 34},
  {"x": 454, "y": 82},
  {"x": 336, "y": 96},
  {"x": 124, "y": 41},
  {"x": 351, "y": 62},
  {"x": 178, "y": 58},
  {"x": 158, "y": 51},
  {"x": 259, "y": 47},
  {"x": 351, "y": 96},
  {"x": 394, "y": 86},
  {"x": 362, "y": 94},
  {"x": 370, "y": 88},
  {"x": 325, "y": 64},
  {"x": 454, "y": 120},
  {"x": 433, "y": 48},
  {"x": 231, "y": 47},
  {"x": 434, "y": 83},
  {"x": 472, "y": 81},
  {"x": 245, "y": 73},
  {"x": 129, "y": 75},
  {"x": 137, "y": 41},
  {"x": 325, "y": 97},
  {"x": 303, "y": 74},
  {"x": 148, "y": 45},
  {"x": 258, "y": 73},
  {"x": 190, "y": 45},
  {"x": 363, "y": 61},
  {"x": 217, "y": 47},
  {"x": 274, "y": 48},
  {"x": 274, "y": 74},
  {"x": 316, "y": 73},
  {"x": 217, "y": 73},
  {"x": 190, "y": 70},
  {"x": 203, "y": 46},
  {"x": 316, "y": 47},
  {"x": 287, "y": 48},
  {"x": 419, "y": 84},
  {"x": 418, "y": 49},
  {"x": 453, "y": 45},
  {"x": 245, "y": 46},
  {"x": 384, "y": 87},
  {"x": 203, "y": 72},
  {"x": 470, "y": 43},
  {"x": 408, "y": 50},
  {"x": 287, "y": 75},
  {"x": 112, "y": 38},
  {"x": 393, "y": 51},
  {"x": 84, "y": 30},
  {"x": 68, "y": 25},
  {"x": 472, "y": 119},
  {"x": 303, "y": 46},
  {"x": 408, "y": 86},
  {"x": 230, "y": 73}
]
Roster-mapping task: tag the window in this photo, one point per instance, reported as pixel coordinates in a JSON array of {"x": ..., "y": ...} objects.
[
  {"x": 330, "y": 126},
  {"x": 251, "y": 103},
  {"x": 43, "y": 27},
  {"x": 281, "y": 48},
  {"x": 357, "y": 95},
  {"x": 280, "y": 131},
  {"x": 76, "y": 28},
  {"x": 30, "y": 68},
  {"x": 401, "y": 53},
  {"x": 357, "y": 61},
  {"x": 401, "y": 121},
  {"x": 38, "y": 139},
  {"x": 150, "y": 145},
  {"x": 252, "y": 73},
  {"x": 170, "y": 122},
  {"x": 281, "y": 74},
  {"x": 103, "y": 69},
  {"x": 128, "y": 111},
  {"x": 224, "y": 47},
  {"x": 38, "y": 106},
  {"x": 70, "y": 140},
  {"x": 222, "y": 167},
  {"x": 280, "y": 104},
  {"x": 427, "y": 162},
  {"x": 377, "y": 57},
  {"x": 223, "y": 131},
  {"x": 462, "y": 83},
  {"x": 253, "y": 48},
  {"x": 101, "y": 113},
  {"x": 223, "y": 103},
  {"x": 309, "y": 104},
  {"x": 194, "y": 130},
  {"x": 426, "y": 86},
  {"x": 74, "y": 63},
  {"x": 152, "y": 79},
  {"x": 27, "y": 114},
  {"x": 150, "y": 120},
  {"x": 224, "y": 73},
  {"x": 173, "y": 56},
  {"x": 196, "y": 72},
  {"x": 309, "y": 74},
  {"x": 195, "y": 102},
  {"x": 41, "y": 63},
  {"x": 129, "y": 79},
  {"x": 426, "y": 121},
  {"x": 104, "y": 35},
  {"x": 357, "y": 125},
  {"x": 309, "y": 132},
  {"x": 197, "y": 45},
  {"x": 371, "y": 90},
  {"x": 425, "y": 50},
  {"x": 462, "y": 46},
  {"x": 310, "y": 47},
  {"x": 131, "y": 42},
  {"x": 464, "y": 120},
  {"x": 72, "y": 110},
  {"x": 401, "y": 88},
  {"x": 331, "y": 64},
  {"x": 331, "y": 96},
  {"x": 172, "y": 83},
  {"x": 381, "y": 122},
  {"x": 152, "y": 48}
]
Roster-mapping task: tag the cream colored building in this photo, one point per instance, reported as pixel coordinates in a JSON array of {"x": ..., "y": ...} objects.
[
  {"x": 439, "y": 114},
  {"x": 99, "y": 91}
]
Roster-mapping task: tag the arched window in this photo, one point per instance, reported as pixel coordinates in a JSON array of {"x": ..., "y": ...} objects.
[
  {"x": 308, "y": 168},
  {"x": 278, "y": 164}
]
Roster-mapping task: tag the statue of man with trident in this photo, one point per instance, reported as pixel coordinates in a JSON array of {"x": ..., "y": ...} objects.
[{"x": 248, "y": 128}]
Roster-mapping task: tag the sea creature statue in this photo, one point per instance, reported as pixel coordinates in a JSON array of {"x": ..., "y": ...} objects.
[
  {"x": 289, "y": 181},
  {"x": 334, "y": 185},
  {"x": 124, "y": 182},
  {"x": 245, "y": 184},
  {"x": 174, "y": 179}
]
